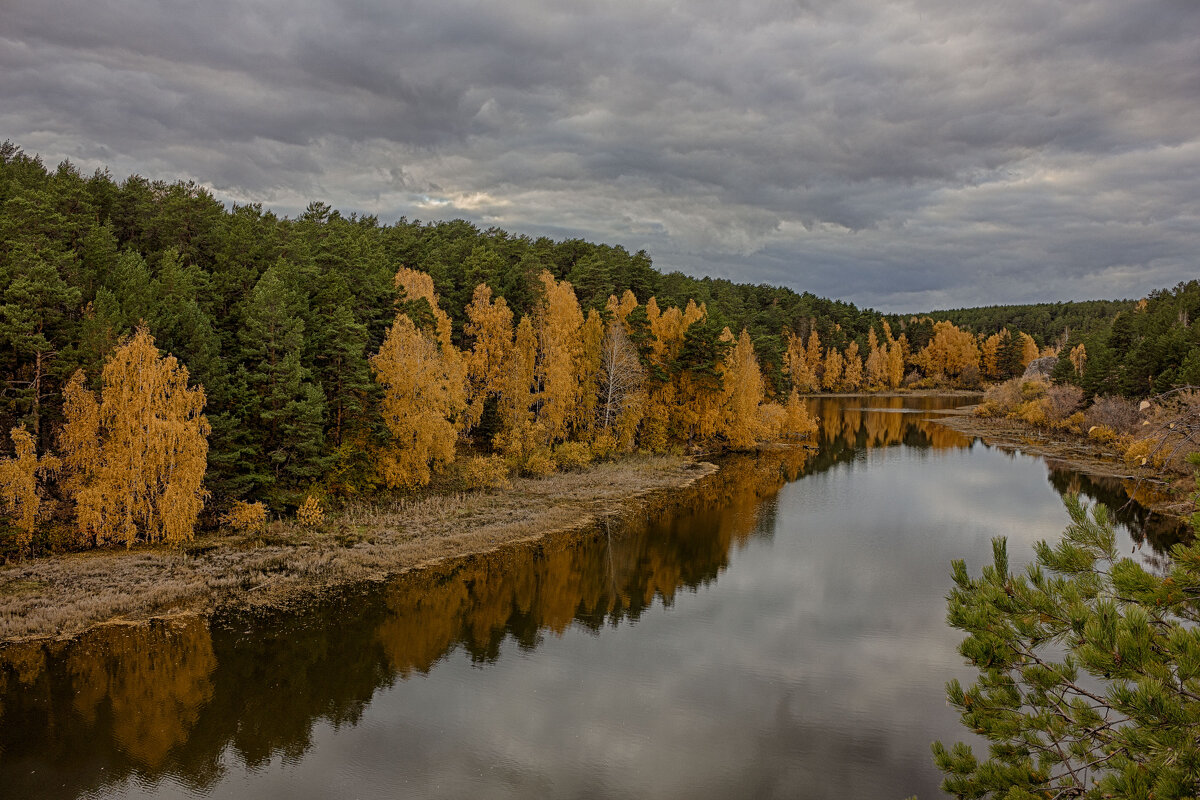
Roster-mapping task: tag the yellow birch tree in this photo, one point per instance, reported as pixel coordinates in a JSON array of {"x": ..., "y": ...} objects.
[
  {"x": 138, "y": 457},
  {"x": 19, "y": 478},
  {"x": 831, "y": 377},
  {"x": 852, "y": 368},
  {"x": 745, "y": 393},
  {"x": 559, "y": 320},
  {"x": 490, "y": 329}
]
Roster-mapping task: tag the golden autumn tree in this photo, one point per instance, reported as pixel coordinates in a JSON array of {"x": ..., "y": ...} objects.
[
  {"x": 1078, "y": 358},
  {"x": 798, "y": 423},
  {"x": 796, "y": 366},
  {"x": 897, "y": 355},
  {"x": 991, "y": 354},
  {"x": 831, "y": 376},
  {"x": 1029, "y": 349},
  {"x": 490, "y": 329},
  {"x": 19, "y": 479},
  {"x": 558, "y": 322},
  {"x": 519, "y": 389},
  {"x": 137, "y": 458},
  {"x": 877, "y": 362},
  {"x": 812, "y": 357},
  {"x": 852, "y": 368},
  {"x": 744, "y": 390},
  {"x": 951, "y": 352},
  {"x": 621, "y": 308},
  {"x": 423, "y": 400}
]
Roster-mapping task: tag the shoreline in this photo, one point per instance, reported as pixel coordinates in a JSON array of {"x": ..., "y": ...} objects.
[
  {"x": 62, "y": 596},
  {"x": 1077, "y": 452}
]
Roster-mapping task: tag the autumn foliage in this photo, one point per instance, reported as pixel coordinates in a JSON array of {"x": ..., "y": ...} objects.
[{"x": 136, "y": 459}]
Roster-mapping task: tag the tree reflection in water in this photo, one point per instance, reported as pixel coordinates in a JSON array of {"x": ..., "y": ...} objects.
[{"x": 172, "y": 698}]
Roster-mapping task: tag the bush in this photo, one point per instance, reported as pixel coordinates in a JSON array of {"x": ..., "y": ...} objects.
[
  {"x": 1071, "y": 424},
  {"x": 1000, "y": 399},
  {"x": 310, "y": 513},
  {"x": 1115, "y": 413},
  {"x": 1146, "y": 452},
  {"x": 604, "y": 445},
  {"x": 525, "y": 450},
  {"x": 244, "y": 517},
  {"x": 484, "y": 473},
  {"x": 1063, "y": 400},
  {"x": 572, "y": 455},
  {"x": 1102, "y": 434}
]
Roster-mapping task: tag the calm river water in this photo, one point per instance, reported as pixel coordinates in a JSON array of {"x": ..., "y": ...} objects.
[{"x": 776, "y": 631}]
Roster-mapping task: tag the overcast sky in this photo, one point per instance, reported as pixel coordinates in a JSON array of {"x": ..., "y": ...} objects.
[{"x": 901, "y": 155}]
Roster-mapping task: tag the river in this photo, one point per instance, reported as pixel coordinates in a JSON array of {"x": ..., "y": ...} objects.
[{"x": 778, "y": 630}]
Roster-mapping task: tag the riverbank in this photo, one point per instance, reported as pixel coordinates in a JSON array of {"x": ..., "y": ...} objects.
[
  {"x": 62, "y": 596},
  {"x": 1169, "y": 497}
]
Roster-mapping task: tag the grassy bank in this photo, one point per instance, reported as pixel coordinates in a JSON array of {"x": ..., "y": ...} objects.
[{"x": 63, "y": 595}]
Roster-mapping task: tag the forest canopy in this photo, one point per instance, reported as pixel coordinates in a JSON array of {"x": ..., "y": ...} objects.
[{"x": 338, "y": 355}]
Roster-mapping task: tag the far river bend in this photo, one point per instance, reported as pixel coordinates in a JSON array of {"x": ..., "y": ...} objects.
[{"x": 776, "y": 631}]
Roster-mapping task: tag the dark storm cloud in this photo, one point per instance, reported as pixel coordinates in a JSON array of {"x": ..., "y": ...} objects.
[{"x": 905, "y": 155}]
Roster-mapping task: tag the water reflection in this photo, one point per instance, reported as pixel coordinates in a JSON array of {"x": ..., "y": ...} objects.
[{"x": 793, "y": 651}]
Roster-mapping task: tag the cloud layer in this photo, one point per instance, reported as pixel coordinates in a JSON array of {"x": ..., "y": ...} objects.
[{"x": 904, "y": 155}]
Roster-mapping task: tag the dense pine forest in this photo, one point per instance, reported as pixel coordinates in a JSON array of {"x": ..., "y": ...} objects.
[{"x": 332, "y": 355}]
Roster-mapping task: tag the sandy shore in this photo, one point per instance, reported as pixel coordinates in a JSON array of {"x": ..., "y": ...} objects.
[{"x": 63, "y": 595}]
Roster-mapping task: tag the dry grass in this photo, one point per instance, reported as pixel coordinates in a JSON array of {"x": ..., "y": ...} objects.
[{"x": 368, "y": 540}]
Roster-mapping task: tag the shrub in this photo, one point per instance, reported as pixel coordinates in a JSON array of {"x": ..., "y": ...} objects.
[
  {"x": 1115, "y": 413},
  {"x": 604, "y": 445},
  {"x": 484, "y": 473},
  {"x": 572, "y": 455},
  {"x": 310, "y": 513},
  {"x": 539, "y": 464},
  {"x": 1063, "y": 400},
  {"x": 1147, "y": 453},
  {"x": 524, "y": 449},
  {"x": 1102, "y": 434},
  {"x": 244, "y": 517},
  {"x": 1072, "y": 423},
  {"x": 1000, "y": 399}
]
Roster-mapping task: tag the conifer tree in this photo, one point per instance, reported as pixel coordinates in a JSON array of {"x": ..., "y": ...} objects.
[
  {"x": 282, "y": 405},
  {"x": 1088, "y": 670}
]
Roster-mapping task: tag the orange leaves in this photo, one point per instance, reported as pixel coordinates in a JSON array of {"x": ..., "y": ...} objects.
[
  {"x": 422, "y": 397},
  {"x": 137, "y": 459},
  {"x": 490, "y": 327},
  {"x": 951, "y": 352},
  {"x": 19, "y": 483}
]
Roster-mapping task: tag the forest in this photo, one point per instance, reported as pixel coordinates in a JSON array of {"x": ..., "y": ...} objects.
[{"x": 285, "y": 362}]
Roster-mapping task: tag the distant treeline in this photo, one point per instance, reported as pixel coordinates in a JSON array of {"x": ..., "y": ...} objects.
[{"x": 1047, "y": 323}]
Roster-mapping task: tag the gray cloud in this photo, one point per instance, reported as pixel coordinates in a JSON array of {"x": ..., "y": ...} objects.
[{"x": 901, "y": 155}]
